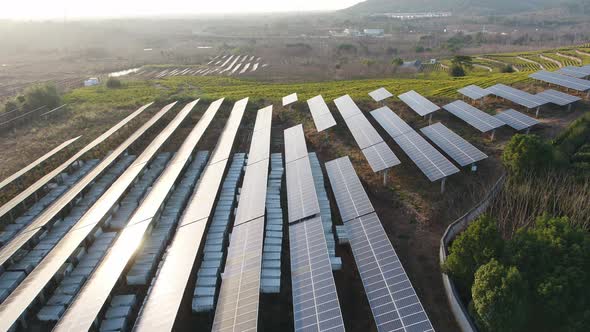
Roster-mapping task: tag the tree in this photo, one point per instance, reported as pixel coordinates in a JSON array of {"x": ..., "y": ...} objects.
[
  {"x": 507, "y": 69},
  {"x": 397, "y": 62},
  {"x": 554, "y": 257},
  {"x": 527, "y": 153},
  {"x": 479, "y": 243},
  {"x": 462, "y": 60},
  {"x": 457, "y": 71},
  {"x": 500, "y": 298},
  {"x": 113, "y": 83}
]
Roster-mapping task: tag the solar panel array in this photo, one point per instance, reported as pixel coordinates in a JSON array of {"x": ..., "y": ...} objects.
[
  {"x": 419, "y": 104},
  {"x": 474, "y": 92},
  {"x": 380, "y": 94},
  {"x": 378, "y": 154},
  {"x": 558, "y": 97},
  {"x": 295, "y": 147},
  {"x": 162, "y": 303},
  {"x": 85, "y": 309},
  {"x": 290, "y": 99},
  {"x": 391, "y": 296},
  {"x": 569, "y": 82},
  {"x": 237, "y": 304},
  {"x": 37, "y": 162},
  {"x": 315, "y": 300},
  {"x": 577, "y": 72},
  {"x": 516, "y": 119},
  {"x": 25, "y": 294},
  {"x": 453, "y": 145},
  {"x": 391, "y": 122},
  {"x": 431, "y": 162},
  {"x": 480, "y": 120},
  {"x": 320, "y": 112},
  {"x": 516, "y": 96}
]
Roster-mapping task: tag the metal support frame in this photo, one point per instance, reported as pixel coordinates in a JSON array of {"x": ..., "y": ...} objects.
[
  {"x": 493, "y": 135},
  {"x": 385, "y": 177},
  {"x": 537, "y": 111},
  {"x": 442, "y": 185}
]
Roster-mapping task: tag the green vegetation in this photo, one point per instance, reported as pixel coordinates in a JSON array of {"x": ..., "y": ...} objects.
[
  {"x": 113, "y": 83},
  {"x": 534, "y": 281},
  {"x": 457, "y": 71},
  {"x": 34, "y": 97},
  {"x": 527, "y": 153}
]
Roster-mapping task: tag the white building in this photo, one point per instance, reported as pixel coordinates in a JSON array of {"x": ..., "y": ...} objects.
[{"x": 91, "y": 81}]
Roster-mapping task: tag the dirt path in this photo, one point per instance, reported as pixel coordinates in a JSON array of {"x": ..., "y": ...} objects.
[
  {"x": 530, "y": 61},
  {"x": 558, "y": 63},
  {"x": 571, "y": 57}
]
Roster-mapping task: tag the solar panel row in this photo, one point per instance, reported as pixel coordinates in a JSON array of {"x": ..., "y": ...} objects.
[
  {"x": 474, "y": 92},
  {"x": 516, "y": 96},
  {"x": 290, "y": 99},
  {"x": 391, "y": 122},
  {"x": 419, "y": 104},
  {"x": 516, "y": 119},
  {"x": 320, "y": 112},
  {"x": 453, "y": 145},
  {"x": 301, "y": 194},
  {"x": 295, "y": 147},
  {"x": 85, "y": 309},
  {"x": 558, "y": 98},
  {"x": 237, "y": 304},
  {"x": 392, "y": 298},
  {"x": 562, "y": 80},
  {"x": 162, "y": 303},
  {"x": 480, "y": 120},
  {"x": 378, "y": 154},
  {"x": 315, "y": 300},
  {"x": 37, "y": 162},
  {"x": 22, "y": 196},
  {"x": 380, "y": 94},
  {"x": 578, "y": 72},
  {"x": 24, "y": 295}
]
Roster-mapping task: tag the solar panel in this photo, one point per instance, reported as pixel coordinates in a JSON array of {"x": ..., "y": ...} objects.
[
  {"x": 320, "y": 112},
  {"x": 561, "y": 80},
  {"x": 18, "y": 199},
  {"x": 419, "y": 104},
  {"x": 380, "y": 157},
  {"x": 454, "y": 145},
  {"x": 516, "y": 96},
  {"x": 24, "y": 295},
  {"x": 290, "y": 99},
  {"x": 480, "y": 120},
  {"x": 474, "y": 92},
  {"x": 237, "y": 304},
  {"x": 431, "y": 162},
  {"x": 577, "y": 72},
  {"x": 227, "y": 136},
  {"x": 260, "y": 145},
  {"x": 295, "y": 147},
  {"x": 516, "y": 119},
  {"x": 315, "y": 300},
  {"x": 37, "y": 162},
  {"x": 263, "y": 119},
  {"x": 363, "y": 131},
  {"x": 378, "y": 154},
  {"x": 558, "y": 98},
  {"x": 162, "y": 303},
  {"x": 380, "y": 94},
  {"x": 85, "y": 309},
  {"x": 392, "y": 297},
  {"x": 347, "y": 107},
  {"x": 348, "y": 190},
  {"x": 391, "y": 122},
  {"x": 301, "y": 195}
]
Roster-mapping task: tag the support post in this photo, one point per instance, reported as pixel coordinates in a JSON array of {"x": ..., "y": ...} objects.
[
  {"x": 385, "y": 178},
  {"x": 442, "y": 185},
  {"x": 537, "y": 112},
  {"x": 430, "y": 119},
  {"x": 493, "y": 134},
  {"x": 528, "y": 130},
  {"x": 290, "y": 107},
  {"x": 569, "y": 107}
]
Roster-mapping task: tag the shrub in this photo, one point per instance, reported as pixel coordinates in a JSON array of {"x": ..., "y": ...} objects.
[
  {"x": 526, "y": 153},
  {"x": 41, "y": 95},
  {"x": 507, "y": 69},
  {"x": 397, "y": 62},
  {"x": 457, "y": 71},
  {"x": 114, "y": 83}
]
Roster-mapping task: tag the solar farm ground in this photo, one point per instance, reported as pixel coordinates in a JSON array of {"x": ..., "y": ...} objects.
[{"x": 412, "y": 210}]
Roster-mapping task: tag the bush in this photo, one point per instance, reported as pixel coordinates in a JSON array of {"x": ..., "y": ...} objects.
[
  {"x": 41, "y": 95},
  {"x": 479, "y": 243},
  {"x": 507, "y": 69},
  {"x": 526, "y": 153},
  {"x": 114, "y": 83},
  {"x": 499, "y": 298},
  {"x": 457, "y": 71},
  {"x": 397, "y": 62}
]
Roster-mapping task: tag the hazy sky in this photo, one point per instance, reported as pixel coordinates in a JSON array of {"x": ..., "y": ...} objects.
[{"x": 35, "y": 9}]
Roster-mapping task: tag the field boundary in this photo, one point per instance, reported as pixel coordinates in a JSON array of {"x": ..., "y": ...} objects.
[{"x": 457, "y": 306}]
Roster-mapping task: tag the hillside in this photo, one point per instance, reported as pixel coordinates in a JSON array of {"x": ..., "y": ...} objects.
[{"x": 464, "y": 6}]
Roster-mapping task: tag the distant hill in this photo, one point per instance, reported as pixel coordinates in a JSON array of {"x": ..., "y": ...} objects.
[{"x": 462, "y": 6}]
